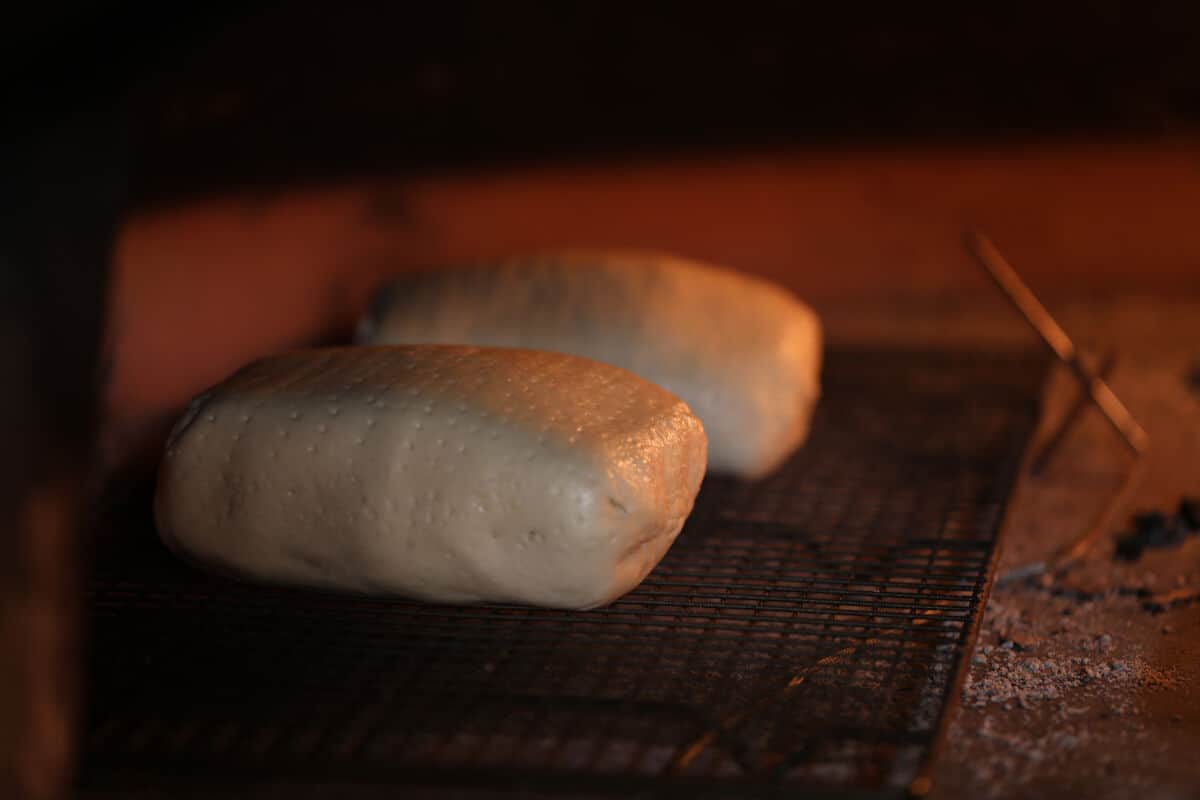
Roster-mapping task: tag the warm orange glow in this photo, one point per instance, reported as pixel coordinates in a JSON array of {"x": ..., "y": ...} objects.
[{"x": 202, "y": 289}]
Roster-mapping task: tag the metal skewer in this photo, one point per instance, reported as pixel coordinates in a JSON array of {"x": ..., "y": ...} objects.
[
  {"x": 1075, "y": 550},
  {"x": 1056, "y": 338},
  {"x": 1040, "y": 461},
  {"x": 1093, "y": 386}
]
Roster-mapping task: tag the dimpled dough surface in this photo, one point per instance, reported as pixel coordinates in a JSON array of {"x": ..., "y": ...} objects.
[
  {"x": 743, "y": 353},
  {"x": 448, "y": 474}
]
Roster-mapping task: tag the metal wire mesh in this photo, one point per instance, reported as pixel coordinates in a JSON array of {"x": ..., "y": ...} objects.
[{"x": 803, "y": 632}]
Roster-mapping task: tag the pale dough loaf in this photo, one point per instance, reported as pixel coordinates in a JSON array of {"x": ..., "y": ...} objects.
[
  {"x": 448, "y": 474},
  {"x": 743, "y": 353}
]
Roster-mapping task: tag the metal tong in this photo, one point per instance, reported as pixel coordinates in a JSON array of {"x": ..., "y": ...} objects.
[{"x": 1093, "y": 387}]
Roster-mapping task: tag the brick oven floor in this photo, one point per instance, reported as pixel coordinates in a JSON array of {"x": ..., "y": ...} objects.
[{"x": 1077, "y": 688}]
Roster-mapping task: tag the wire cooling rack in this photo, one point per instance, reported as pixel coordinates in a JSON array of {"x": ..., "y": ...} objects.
[{"x": 804, "y": 633}]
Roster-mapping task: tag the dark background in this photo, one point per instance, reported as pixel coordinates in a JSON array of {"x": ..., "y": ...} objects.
[{"x": 224, "y": 93}]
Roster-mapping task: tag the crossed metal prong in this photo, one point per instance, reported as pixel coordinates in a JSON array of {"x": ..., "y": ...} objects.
[{"x": 1093, "y": 388}]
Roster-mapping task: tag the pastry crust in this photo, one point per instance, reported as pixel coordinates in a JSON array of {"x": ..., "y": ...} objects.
[
  {"x": 743, "y": 353},
  {"x": 444, "y": 473}
]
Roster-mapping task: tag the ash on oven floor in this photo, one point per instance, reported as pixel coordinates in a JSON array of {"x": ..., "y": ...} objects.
[{"x": 803, "y": 633}]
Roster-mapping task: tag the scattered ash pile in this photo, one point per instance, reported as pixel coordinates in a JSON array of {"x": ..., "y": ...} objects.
[
  {"x": 1020, "y": 665},
  {"x": 1059, "y": 689}
]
